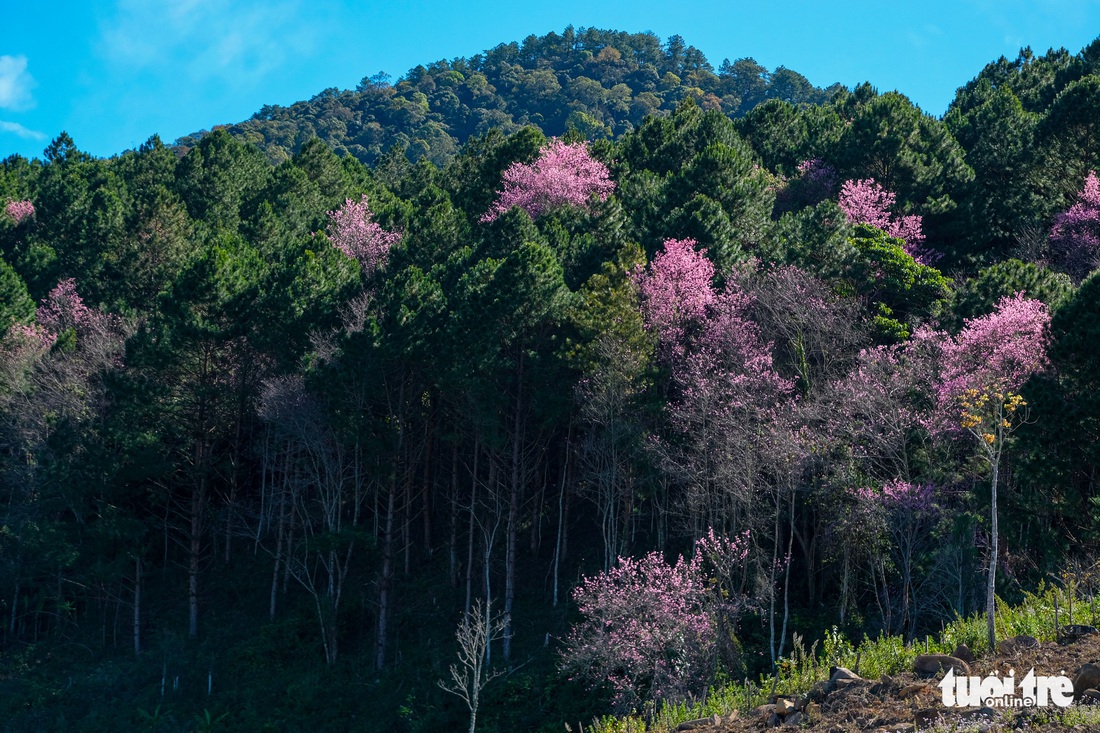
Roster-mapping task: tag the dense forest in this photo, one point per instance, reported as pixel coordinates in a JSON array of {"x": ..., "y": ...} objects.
[
  {"x": 601, "y": 83},
  {"x": 283, "y": 406}
]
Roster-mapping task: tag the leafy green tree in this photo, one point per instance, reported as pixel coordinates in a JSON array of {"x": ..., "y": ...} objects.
[
  {"x": 1070, "y": 136},
  {"x": 219, "y": 178},
  {"x": 1004, "y": 197},
  {"x": 16, "y": 305},
  {"x": 692, "y": 176},
  {"x": 899, "y": 291},
  {"x": 980, "y": 295}
]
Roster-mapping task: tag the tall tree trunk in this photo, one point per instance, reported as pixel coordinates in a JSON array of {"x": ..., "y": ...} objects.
[
  {"x": 426, "y": 498},
  {"x": 280, "y": 541},
  {"x": 387, "y": 577},
  {"x": 452, "y": 545},
  {"x": 198, "y": 509},
  {"x": 991, "y": 585},
  {"x": 137, "y": 607},
  {"x": 513, "y": 516},
  {"x": 561, "y": 510},
  {"x": 470, "y": 528},
  {"x": 406, "y": 516}
]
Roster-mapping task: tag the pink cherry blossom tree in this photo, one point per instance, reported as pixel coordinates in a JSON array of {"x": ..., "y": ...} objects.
[
  {"x": 563, "y": 175},
  {"x": 866, "y": 202},
  {"x": 19, "y": 211},
  {"x": 649, "y": 627},
  {"x": 814, "y": 183},
  {"x": 983, "y": 369},
  {"x": 355, "y": 233},
  {"x": 676, "y": 290},
  {"x": 1075, "y": 236},
  {"x": 911, "y": 514},
  {"x": 730, "y": 435},
  {"x": 64, "y": 308},
  {"x": 872, "y": 409}
]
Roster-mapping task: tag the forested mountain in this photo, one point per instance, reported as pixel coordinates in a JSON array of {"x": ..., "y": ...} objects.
[
  {"x": 270, "y": 431},
  {"x": 601, "y": 83}
]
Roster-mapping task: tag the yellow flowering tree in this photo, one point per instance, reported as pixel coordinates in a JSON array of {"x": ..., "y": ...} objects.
[{"x": 983, "y": 369}]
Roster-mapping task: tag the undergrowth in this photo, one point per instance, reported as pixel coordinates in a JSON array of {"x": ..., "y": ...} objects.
[{"x": 871, "y": 658}]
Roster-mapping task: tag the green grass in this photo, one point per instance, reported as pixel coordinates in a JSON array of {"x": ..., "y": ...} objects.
[{"x": 872, "y": 658}]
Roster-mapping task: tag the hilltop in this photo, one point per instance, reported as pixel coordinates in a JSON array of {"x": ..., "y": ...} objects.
[{"x": 602, "y": 83}]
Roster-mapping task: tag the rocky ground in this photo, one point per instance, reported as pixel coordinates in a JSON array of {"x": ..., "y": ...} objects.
[{"x": 912, "y": 701}]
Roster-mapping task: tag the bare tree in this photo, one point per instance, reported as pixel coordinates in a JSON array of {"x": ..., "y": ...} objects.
[
  {"x": 324, "y": 499},
  {"x": 477, "y": 630}
]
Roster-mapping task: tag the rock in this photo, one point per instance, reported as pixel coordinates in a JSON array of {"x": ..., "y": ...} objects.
[
  {"x": 714, "y": 720},
  {"x": 818, "y": 692},
  {"x": 794, "y": 719},
  {"x": 1087, "y": 678},
  {"x": 1024, "y": 719},
  {"x": 1073, "y": 632},
  {"x": 1012, "y": 647},
  {"x": 933, "y": 663},
  {"x": 962, "y": 651},
  {"x": 813, "y": 712},
  {"x": 979, "y": 713},
  {"x": 763, "y": 710},
  {"x": 774, "y": 721},
  {"x": 839, "y": 677},
  {"x": 843, "y": 673},
  {"x": 784, "y": 707},
  {"x": 912, "y": 690},
  {"x": 927, "y": 717}
]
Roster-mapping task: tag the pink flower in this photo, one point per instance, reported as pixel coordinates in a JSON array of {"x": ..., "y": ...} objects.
[
  {"x": 354, "y": 232},
  {"x": 64, "y": 308},
  {"x": 996, "y": 352},
  {"x": 1075, "y": 236},
  {"x": 19, "y": 211},
  {"x": 563, "y": 175},
  {"x": 676, "y": 291},
  {"x": 866, "y": 202}
]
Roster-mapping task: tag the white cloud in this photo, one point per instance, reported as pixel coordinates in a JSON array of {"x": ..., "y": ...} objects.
[
  {"x": 17, "y": 129},
  {"x": 203, "y": 40},
  {"x": 15, "y": 84}
]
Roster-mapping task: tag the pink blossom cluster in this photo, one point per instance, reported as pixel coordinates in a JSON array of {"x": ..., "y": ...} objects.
[
  {"x": 354, "y": 232},
  {"x": 646, "y": 631},
  {"x": 100, "y": 336},
  {"x": 64, "y": 308},
  {"x": 32, "y": 337},
  {"x": 909, "y": 497},
  {"x": 19, "y": 211},
  {"x": 1075, "y": 236},
  {"x": 722, "y": 551},
  {"x": 728, "y": 366},
  {"x": 564, "y": 174},
  {"x": 997, "y": 352},
  {"x": 816, "y": 179},
  {"x": 863, "y": 493},
  {"x": 676, "y": 291},
  {"x": 649, "y": 627},
  {"x": 866, "y": 202}
]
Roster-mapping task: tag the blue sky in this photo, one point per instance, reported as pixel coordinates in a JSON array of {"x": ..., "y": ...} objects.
[{"x": 112, "y": 73}]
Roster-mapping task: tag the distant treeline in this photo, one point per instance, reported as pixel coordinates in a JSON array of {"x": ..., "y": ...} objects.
[{"x": 602, "y": 83}]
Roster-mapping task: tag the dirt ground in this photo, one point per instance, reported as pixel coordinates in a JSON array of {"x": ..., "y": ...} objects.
[{"x": 912, "y": 702}]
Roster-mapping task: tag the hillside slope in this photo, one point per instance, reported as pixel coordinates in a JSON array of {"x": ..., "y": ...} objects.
[{"x": 603, "y": 83}]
